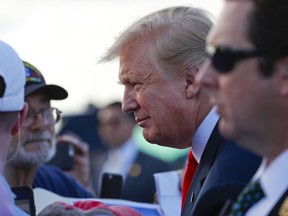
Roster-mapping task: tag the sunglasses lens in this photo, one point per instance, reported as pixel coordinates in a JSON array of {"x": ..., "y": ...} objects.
[{"x": 222, "y": 61}]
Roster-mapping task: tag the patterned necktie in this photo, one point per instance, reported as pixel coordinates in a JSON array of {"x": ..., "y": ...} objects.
[
  {"x": 251, "y": 194},
  {"x": 189, "y": 173}
]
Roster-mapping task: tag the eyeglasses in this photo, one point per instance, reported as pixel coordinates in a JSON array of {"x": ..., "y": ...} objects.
[
  {"x": 50, "y": 116},
  {"x": 224, "y": 58}
]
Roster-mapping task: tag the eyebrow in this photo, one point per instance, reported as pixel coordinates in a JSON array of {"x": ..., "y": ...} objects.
[{"x": 125, "y": 79}]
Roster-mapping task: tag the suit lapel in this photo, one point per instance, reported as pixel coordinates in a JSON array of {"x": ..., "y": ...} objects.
[{"x": 206, "y": 162}]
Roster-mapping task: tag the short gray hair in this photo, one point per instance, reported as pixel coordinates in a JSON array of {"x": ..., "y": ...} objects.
[{"x": 179, "y": 35}]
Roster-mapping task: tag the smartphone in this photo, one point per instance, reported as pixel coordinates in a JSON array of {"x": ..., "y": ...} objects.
[
  {"x": 25, "y": 199},
  {"x": 111, "y": 186},
  {"x": 64, "y": 156}
]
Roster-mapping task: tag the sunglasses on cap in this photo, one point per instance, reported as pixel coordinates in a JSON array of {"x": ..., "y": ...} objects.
[{"x": 223, "y": 58}]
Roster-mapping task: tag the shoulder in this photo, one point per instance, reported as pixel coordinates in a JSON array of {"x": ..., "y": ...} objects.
[
  {"x": 152, "y": 162},
  {"x": 236, "y": 159},
  {"x": 233, "y": 165},
  {"x": 211, "y": 201},
  {"x": 232, "y": 169},
  {"x": 48, "y": 169},
  {"x": 53, "y": 179}
]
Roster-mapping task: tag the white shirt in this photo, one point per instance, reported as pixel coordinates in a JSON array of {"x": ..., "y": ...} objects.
[
  {"x": 274, "y": 182},
  {"x": 201, "y": 137},
  {"x": 121, "y": 159},
  {"x": 7, "y": 205}
]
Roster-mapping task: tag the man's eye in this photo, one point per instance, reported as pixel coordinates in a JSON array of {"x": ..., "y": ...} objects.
[{"x": 137, "y": 86}]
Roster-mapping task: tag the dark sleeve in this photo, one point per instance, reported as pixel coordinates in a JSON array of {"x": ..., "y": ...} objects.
[
  {"x": 212, "y": 202},
  {"x": 55, "y": 180}
]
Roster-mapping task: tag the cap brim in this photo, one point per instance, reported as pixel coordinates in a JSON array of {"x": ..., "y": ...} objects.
[{"x": 54, "y": 92}]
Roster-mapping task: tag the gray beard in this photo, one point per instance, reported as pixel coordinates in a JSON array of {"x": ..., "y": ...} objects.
[{"x": 24, "y": 158}]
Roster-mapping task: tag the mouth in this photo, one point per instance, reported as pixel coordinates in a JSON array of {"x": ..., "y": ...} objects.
[
  {"x": 35, "y": 145},
  {"x": 141, "y": 121},
  {"x": 217, "y": 104},
  {"x": 35, "y": 141}
]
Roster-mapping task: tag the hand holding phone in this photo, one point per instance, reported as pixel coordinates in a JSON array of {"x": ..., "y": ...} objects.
[{"x": 81, "y": 157}]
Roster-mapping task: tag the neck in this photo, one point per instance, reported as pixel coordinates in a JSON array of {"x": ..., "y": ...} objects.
[
  {"x": 274, "y": 154},
  {"x": 19, "y": 176},
  {"x": 269, "y": 148}
]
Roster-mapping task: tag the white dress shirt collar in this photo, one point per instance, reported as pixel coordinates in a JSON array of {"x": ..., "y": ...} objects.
[
  {"x": 203, "y": 133},
  {"x": 127, "y": 153},
  {"x": 273, "y": 179}
]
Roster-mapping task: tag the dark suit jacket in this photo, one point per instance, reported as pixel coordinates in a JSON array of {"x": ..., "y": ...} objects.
[
  {"x": 222, "y": 173},
  {"x": 139, "y": 185}
]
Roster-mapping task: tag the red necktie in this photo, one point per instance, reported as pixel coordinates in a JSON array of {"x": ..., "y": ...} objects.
[{"x": 189, "y": 173}]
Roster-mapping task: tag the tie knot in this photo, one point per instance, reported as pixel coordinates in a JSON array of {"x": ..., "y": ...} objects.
[{"x": 253, "y": 189}]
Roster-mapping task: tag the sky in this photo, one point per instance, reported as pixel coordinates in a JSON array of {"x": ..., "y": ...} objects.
[{"x": 64, "y": 39}]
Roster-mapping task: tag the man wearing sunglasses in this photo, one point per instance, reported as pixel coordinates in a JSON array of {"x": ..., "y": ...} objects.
[
  {"x": 37, "y": 141},
  {"x": 247, "y": 77},
  {"x": 160, "y": 56}
]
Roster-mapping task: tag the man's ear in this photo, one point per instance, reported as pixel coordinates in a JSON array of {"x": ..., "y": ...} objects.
[
  {"x": 192, "y": 87},
  {"x": 282, "y": 67},
  {"x": 21, "y": 117}
]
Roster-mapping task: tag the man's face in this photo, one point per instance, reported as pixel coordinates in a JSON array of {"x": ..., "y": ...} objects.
[
  {"x": 242, "y": 96},
  {"x": 115, "y": 127},
  {"x": 158, "y": 100},
  {"x": 37, "y": 137}
]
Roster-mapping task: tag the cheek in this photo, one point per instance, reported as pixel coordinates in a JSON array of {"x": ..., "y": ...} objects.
[
  {"x": 23, "y": 133},
  {"x": 232, "y": 90},
  {"x": 51, "y": 129},
  {"x": 240, "y": 99}
]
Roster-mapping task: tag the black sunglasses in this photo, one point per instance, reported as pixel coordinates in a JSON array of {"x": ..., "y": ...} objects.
[{"x": 223, "y": 58}]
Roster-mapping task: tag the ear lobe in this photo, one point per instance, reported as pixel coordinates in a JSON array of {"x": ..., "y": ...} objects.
[
  {"x": 192, "y": 87},
  {"x": 21, "y": 117},
  {"x": 282, "y": 69},
  {"x": 284, "y": 80}
]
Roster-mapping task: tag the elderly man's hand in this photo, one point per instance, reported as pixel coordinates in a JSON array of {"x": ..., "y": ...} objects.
[{"x": 81, "y": 169}]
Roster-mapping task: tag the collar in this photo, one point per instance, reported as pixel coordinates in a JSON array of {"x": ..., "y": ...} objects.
[
  {"x": 274, "y": 179},
  {"x": 201, "y": 137},
  {"x": 127, "y": 151}
]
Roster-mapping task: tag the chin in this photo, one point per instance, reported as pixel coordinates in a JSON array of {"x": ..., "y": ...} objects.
[
  {"x": 226, "y": 130},
  {"x": 149, "y": 139}
]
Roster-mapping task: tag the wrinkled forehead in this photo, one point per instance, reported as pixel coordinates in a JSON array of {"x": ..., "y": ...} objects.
[
  {"x": 232, "y": 25},
  {"x": 136, "y": 64}
]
